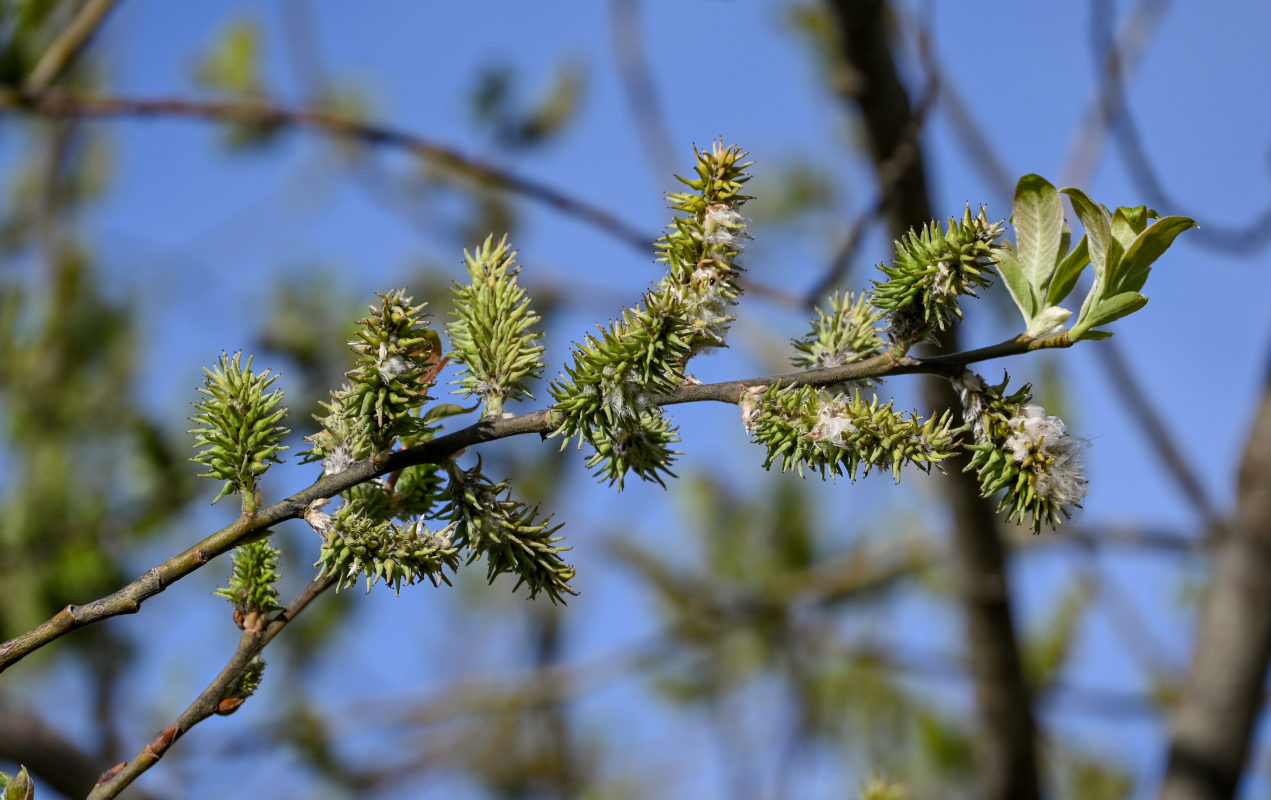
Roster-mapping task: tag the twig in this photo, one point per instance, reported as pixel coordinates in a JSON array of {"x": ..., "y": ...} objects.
[
  {"x": 1119, "y": 374},
  {"x": 59, "y": 764},
  {"x": 626, "y": 42},
  {"x": 1125, "y": 55},
  {"x": 128, "y": 599},
  {"x": 84, "y": 106},
  {"x": 1246, "y": 239},
  {"x": 890, "y": 170},
  {"x": 210, "y": 701},
  {"x": 68, "y": 44}
]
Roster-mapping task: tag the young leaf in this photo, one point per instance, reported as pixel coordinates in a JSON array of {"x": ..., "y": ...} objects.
[
  {"x": 1049, "y": 321},
  {"x": 1113, "y": 308},
  {"x": 1019, "y": 287},
  {"x": 1067, "y": 272},
  {"x": 1148, "y": 247},
  {"x": 1104, "y": 251},
  {"x": 1098, "y": 223},
  {"x": 1039, "y": 227},
  {"x": 1127, "y": 224}
]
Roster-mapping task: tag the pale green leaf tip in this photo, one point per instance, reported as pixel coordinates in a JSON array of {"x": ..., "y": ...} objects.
[{"x": 1049, "y": 321}]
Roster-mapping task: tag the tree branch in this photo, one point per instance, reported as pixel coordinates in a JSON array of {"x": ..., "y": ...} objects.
[
  {"x": 209, "y": 702},
  {"x": 1210, "y": 732},
  {"x": 128, "y": 599},
  {"x": 58, "y": 763},
  {"x": 67, "y": 46},
  {"x": 1008, "y": 760},
  {"x": 84, "y": 106}
]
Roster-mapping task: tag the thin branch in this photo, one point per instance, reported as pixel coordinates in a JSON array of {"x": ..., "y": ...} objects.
[
  {"x": 626, "y": 31},
  {"x": 1246, "y": 239},
  {"x": 898, "y": 164},
  {"x": 1141, "y": 24},
  {"x": 1169, "y": 455},
  {"x": 128, "y": 599},
  {"x": 59, "y": 764},
  {"x": 84, "y": 106},
  {"x": 1117, "y": 60},
  {"x": 209, "y": 702},
  {"x": 64, "y": 104},
  {"x": 67, "y": 46}
]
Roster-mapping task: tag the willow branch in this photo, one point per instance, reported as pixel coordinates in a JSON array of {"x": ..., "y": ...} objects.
[
  {"x": 128, "y": 599},
  {"x": 86, "y": 106},
  {"x": 68, "y": 44},
  {"x": 210, "y": 701}
]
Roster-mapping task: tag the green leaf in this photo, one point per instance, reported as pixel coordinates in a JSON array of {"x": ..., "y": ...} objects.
[
  {"x": 1148, "y": 247},
  {"x": 1113, "y": 308},
  {"x": 1098, "y": 223},
  {"x": 1016, "y": 283},
  {"x": 443, "y": 410},
  {"x": 1047, "y": 653},
  {"x": 1127, "y": 224},
  {"x": 18, "y": 787},
  {"x": 1067, "y": 272},
  {"x": 1039, "y": 227}
]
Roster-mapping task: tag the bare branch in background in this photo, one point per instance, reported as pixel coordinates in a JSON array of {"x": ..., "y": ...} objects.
[
  {"x": 68, "y": 45},
  {"x": 1136, "y": 33},
  {"x": 1245, "y": 239},
  {"x": 60, "y": 764},
  {"x": 1008, "y": 761},
  {"x": 1119, "y": 60},
  {"x": 896, "y": 166},
  {"x": 1087, "y": 142},
  {"x": 626, "y": 38},
  {"x": 61, "y": 104},
  {"x": 1212, "y": 729},
  {"x": 1162, "y": 440}
]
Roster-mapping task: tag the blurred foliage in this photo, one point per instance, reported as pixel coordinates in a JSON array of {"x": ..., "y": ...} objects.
[
  {"x": 26, "y": 28},
  {"x": 790, "y": 193},
  {"x": 515, "y": 123},
  {"x": 233, "y": 66},
  {"x": 758, "y": 608},
  {"x": 1047, "y": 652},
  {"x": 87, "y": 467}
]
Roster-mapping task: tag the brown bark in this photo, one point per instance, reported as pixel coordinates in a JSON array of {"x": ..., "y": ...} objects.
[
  {"x": 53, "y": 761},
  {"x": 1008, "y": 763},
  {"x": 1211, "y": 729}
]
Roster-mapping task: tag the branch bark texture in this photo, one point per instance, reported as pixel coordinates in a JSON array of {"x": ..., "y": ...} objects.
[
  {"x": 1212, "y": 727},
  {"x": 1008, "y": 763}
]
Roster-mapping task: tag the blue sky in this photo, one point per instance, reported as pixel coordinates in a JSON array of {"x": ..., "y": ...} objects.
[{"x": 195, "y": 235}]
